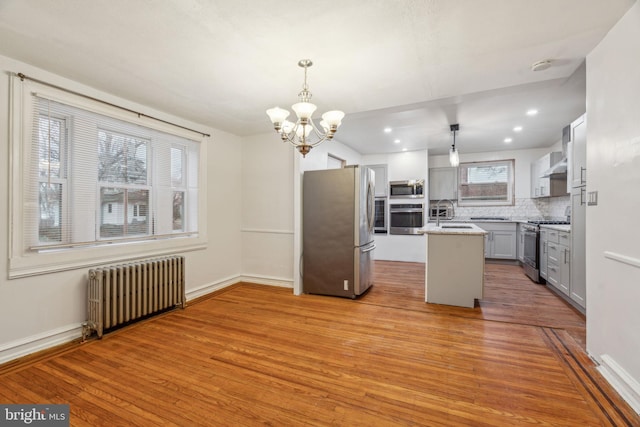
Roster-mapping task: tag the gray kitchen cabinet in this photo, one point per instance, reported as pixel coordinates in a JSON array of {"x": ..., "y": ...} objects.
[
  {"x": 546, "y": 187},
  {"x": 577, "y": 154},
  {"x": 520, "y": 245},
  {"x": 443, "y": 183},
  {"x": 380, "y": 179},
  {"x": 543, "y": 252},
  {"x": 500, "y": 240},
  {"x": 578, "y": 251},
  {"x": 559, "y": 260}
]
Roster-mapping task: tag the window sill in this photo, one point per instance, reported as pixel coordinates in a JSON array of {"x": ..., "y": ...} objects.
[{"x": 33, "y": 264}]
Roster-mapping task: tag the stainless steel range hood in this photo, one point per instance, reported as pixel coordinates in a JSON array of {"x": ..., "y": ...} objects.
[{"x": 556, "y": 170}]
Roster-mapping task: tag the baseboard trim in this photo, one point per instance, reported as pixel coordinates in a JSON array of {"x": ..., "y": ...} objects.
[
  {"x": 39, "y": 342},
  {"x": 266, "y": 280},
  {"x": 625, "y": 384},
  {"x": 192, "y": 294}
]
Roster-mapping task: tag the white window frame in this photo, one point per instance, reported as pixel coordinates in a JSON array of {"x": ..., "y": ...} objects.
[
  {"x": 25, "y": 262},
  {"x": 463, "y": 202}
]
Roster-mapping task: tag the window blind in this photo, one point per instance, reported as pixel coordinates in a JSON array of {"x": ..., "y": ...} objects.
[{"x": 93, "y": 179}]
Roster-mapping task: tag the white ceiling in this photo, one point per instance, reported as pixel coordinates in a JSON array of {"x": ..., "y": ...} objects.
[{"x": 414, "y": 65}]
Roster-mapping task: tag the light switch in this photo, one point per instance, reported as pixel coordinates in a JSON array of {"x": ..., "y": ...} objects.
[{"x": 592, "y": 198}]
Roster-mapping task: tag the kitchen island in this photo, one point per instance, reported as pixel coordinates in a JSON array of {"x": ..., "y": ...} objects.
[{"x": 454, "y": 264}]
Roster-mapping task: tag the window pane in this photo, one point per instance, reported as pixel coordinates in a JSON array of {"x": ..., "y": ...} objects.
[
  {"x": 121, "y": 158},
  {"x": 177, "y": 167},
  {"x": 50, "y": 225},
  {"x": 486, "y": 183},
  {"x": 487, "y": 174},
  {"x": 123, "y": 212},
  {"x": 178, "y": 211},
  {"x": 50, "y": 139}
]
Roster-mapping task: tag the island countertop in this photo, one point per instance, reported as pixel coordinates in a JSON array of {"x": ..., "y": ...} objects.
[{"x": 453, "y": 228}]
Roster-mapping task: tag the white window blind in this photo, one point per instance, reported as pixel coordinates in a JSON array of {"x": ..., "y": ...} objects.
[
  {"x": 486, "y": 183},
  {"x": 94, "y": 179}
]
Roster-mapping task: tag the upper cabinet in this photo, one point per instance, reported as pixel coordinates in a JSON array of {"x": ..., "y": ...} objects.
[
  {"x": 577, "y": 154},
  {"x": 543, "y": 184},
  {"x": 443, "y": 183},
  {"x": 380, "y": 179}
]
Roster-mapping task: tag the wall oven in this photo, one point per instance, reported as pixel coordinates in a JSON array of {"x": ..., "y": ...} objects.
[
  {"x": 406, "y": 218},
  {"x": 411, "y": 189},
  {"x": 380, "y": 222}
]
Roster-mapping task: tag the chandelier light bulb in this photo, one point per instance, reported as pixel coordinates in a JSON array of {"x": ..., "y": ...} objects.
[
  {"x": 277, "y": 115},
  {"x": 304, "y": 110},
  {"x": 333, "y": 118}
]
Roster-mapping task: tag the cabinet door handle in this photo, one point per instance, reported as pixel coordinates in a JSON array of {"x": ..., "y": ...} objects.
[
  {"x": 583, "y": 179},
  {"x": 544, "y": 247},
  {"x": 582, "y": 192}
]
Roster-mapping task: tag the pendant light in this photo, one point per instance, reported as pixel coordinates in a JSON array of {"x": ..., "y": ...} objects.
[{"x": 454, "y": 159}]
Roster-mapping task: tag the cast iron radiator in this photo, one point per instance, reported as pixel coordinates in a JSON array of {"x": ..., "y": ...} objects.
[{"x": 122, "y": 294}]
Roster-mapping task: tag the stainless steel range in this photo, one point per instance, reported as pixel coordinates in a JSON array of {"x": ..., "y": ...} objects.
[{"x": 532, "y": 246}]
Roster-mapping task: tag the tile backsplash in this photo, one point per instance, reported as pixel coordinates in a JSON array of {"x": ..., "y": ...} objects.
[{"x": 553, "y": 207}]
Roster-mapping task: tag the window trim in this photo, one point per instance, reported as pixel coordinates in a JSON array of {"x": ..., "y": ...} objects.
[
  {"x": 511, "y": 185},
  {"x": 22, "y": 261}
]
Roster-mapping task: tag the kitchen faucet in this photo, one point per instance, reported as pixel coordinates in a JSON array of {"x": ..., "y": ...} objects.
[{"x": 438, "y": 210}]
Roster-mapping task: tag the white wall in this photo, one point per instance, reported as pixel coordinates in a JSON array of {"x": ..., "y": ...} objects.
[
  {"x": 267, "y": 209},
  {"x": 44, "y": 310},
  {"x": 613, "y": 170}
]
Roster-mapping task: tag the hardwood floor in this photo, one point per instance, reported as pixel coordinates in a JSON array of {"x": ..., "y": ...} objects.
[{"x": 257, "y": 355}]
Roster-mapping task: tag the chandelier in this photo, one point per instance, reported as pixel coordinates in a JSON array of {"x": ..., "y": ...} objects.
[
  {"x": 454, "y": 158},
  {"x": 303, "y": 134}
]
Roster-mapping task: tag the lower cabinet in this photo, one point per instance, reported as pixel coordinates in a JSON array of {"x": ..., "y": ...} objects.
[
  {"x": 520, "y": 244},
  {"x": 543, "y": 252},
  {"x": 559, "y": 260},
  {"x": 500, "y": 240}
]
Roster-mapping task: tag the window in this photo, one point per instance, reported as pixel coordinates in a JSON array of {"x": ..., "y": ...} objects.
[
  {"x": 89, "y": 175},
  {"x": 486, "y": 183}
]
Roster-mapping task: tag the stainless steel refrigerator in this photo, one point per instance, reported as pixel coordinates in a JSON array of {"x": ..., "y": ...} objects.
[{"x": 338, "y": 217}]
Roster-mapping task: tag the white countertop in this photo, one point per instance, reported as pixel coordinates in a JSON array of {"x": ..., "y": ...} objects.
[
  {"x": 560, "y": 227},
  {"x": 456, "y": 228}
]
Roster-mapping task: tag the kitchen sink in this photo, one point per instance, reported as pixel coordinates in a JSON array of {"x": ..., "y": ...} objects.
[{"x": 456, "y": 226}]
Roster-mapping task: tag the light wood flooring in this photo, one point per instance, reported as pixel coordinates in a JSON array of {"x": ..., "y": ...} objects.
[{"x": 257, "y": 355}]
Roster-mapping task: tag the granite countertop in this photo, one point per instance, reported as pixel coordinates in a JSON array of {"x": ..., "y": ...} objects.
[{"x": 457, "y": 228}]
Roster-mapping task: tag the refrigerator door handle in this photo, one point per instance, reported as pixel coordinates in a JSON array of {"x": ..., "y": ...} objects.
[{"x": 369, "y": 249}]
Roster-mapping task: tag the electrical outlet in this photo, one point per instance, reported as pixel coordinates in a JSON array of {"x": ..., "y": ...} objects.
[
  {"x": 592, "y": 198},
  {"x": 346, "y": 285}
]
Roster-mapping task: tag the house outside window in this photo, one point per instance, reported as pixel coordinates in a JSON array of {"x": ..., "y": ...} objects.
[{"x": 486, "y": 183}]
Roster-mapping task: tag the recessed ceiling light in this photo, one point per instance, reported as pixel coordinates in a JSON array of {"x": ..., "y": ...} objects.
[
  {"x": 517, "y": 129},
  {"x": 397, "y": 141},
  {"x": 387, "y": 130},
  {"x": 404, "y": 149},
  {"x": 508, "y": 140},
  {"x": 532, "y": 112}
]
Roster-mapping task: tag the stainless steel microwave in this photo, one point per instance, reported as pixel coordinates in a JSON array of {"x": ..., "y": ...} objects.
[{"x": 411, "y": 189}]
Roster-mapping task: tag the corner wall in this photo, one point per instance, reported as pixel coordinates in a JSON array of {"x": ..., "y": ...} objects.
[{"x": 613, "y": 170}]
